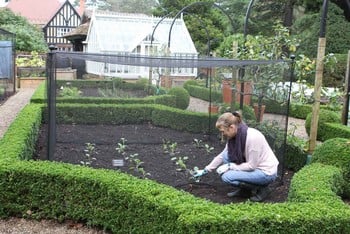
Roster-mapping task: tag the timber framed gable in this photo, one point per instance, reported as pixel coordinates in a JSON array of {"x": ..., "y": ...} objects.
[{"x": 64, "y": 21}]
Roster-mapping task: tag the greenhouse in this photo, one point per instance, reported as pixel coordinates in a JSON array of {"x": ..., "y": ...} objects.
[{"x": 140, "y": 35}]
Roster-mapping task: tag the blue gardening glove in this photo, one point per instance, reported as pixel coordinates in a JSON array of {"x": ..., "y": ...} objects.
[{"x": 200, "y": 173}]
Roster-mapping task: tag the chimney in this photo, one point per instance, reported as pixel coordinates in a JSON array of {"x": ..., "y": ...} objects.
[{"x": 81, "y": 7}]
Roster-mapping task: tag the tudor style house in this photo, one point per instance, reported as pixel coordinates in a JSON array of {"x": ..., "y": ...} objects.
[
  {"x": 138, "y": 34},
  {"x": 54, "y": 17}
]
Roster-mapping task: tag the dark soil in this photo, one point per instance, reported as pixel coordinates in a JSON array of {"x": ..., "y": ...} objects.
[{"x": 147, "y": 141}]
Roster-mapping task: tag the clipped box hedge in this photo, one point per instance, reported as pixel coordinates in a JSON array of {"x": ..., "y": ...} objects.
[
  {"x": 39, "y": 96},
  {"x": 124, "y": 204},
  {"x": 325, "y": 116},
  {"x": 203, "y": 93},
  {"x": 336, "y": 152}
]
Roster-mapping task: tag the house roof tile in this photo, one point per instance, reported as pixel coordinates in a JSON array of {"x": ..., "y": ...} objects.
[{"x": 36, "y": 11}]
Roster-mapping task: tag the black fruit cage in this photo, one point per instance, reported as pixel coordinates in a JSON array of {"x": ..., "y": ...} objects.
[{"x": 270, "y": 80}]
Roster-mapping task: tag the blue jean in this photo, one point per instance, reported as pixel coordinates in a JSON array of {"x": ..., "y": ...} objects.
[{"x": 257, "y": 176}]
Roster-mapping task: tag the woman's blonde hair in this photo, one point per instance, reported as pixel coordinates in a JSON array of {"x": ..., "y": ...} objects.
[{"x": 228, "y": 118}]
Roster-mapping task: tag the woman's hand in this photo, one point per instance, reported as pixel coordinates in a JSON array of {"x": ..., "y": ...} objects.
[{"x": 225, "y": 167}]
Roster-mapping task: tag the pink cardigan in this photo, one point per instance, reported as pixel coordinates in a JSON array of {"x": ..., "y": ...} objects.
[{"x": 258, "y": 153}]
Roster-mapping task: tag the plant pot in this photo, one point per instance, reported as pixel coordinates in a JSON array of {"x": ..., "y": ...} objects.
[
  {"x": 248, "y": 89},
  {"x": 226, "y": 92},
  {"x": 259, "y": 112},
  {"x": 213, "y": 109}
]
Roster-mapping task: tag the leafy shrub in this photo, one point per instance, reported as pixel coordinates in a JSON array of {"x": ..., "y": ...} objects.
[
  {"x": 300, "y": 111},
  {"x": 69, "y": 92},
  {"x": 317, "y": 182},
  {"x": 182, "y": 97},
  {"x": 295, "y": 157},
  {"x": 190, "y": 82},
  {"x": 335, "y": 152},
  {"x": 247, "y": 112},
  {"x": 203, "y": 92},
  {"x": 325, "y": 116},
  {"x": 28, "y": 36},
  {"x": 332, "y": 130},
  {"x": 34, "y": 60}
]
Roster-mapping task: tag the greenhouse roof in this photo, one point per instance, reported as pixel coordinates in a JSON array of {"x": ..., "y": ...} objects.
[{"x": 119, "y": 32}]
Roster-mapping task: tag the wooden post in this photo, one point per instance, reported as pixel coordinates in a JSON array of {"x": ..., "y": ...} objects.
[
  {"x": 345, "y": 112},
  {"x": 234, "y": 69},
  {"x": 318, "y": 78},
  {"x": 317, "y": 93}
]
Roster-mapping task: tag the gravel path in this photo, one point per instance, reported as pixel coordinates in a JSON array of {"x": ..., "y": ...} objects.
[
  {"x": 296, "y": 126},
  {"x": 12, "y": 106}
]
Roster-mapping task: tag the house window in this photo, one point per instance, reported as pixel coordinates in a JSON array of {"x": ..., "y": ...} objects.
[{"x": 62, "y": 31}]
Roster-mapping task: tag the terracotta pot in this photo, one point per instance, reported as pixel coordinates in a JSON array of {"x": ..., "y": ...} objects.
[
  {"x": 226, "y": 92},
  {"x": 248, "y": 89},
  {"x": 259, "y": 116},
  {"x": 213, "y": 109}
]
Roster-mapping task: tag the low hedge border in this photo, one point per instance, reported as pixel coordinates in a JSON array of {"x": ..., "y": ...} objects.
[
  {"x": 333, "y": 130},
  {"x": 111, "y": 200},
  {"x": 39, "y": 96},
  {"x": 300, "y": 111},
  {"x": 111, "y": 83},
  {"x": 329, "y": 125},
  {"x": 158, "y": 115},
  {"x": 203, "y": 93}
]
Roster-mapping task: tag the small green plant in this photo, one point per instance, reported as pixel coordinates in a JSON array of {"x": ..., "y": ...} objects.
[
  {"x": 197, "y": 143},
  {"x": 89, "y": 152},
  {"x": 2, "y": 90},
  {"x": 169, "y": 147},
  {"x": 121, "y": 146},
  {"x": 165, "y": 146},
  {"x": 34, "y": 60},
  {"x": 208, "y": 148},
  {"x": 180, "y": 162},
  {"x": 69, "y": 92},
  {"x": 136, "y": 165},
  {"x": 294, "y": 140}
]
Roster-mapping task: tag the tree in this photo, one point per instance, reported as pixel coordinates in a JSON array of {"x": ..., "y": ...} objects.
[
  {"x": 314, "y": 6},
  {"x": 237, "y": 10},
  {"x": 263, "y": 15},
  {"x": 126, "y": 6},
  {"x": 132, "y": 6},
  {"x": 206, "y": 23},
  {"x": 338, "y": 32},
  {"x": 28, "y": 36}
]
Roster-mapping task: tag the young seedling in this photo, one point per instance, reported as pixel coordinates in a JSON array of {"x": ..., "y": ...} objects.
[
  {"x": 121, "y": 146},
  {"x": 89, "y": 153},
  {"x": 165, "y": 146},
  {"x": 169, "y": 147},
  {"x": 197, "y": 143},
  {"x": 208, "y": 148},
  {"x": 180, "y": 162},
  {"x": 136, "y": 165}
]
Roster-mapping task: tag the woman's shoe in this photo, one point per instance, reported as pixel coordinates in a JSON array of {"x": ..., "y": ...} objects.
[{"x": 261, "y": 194}]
